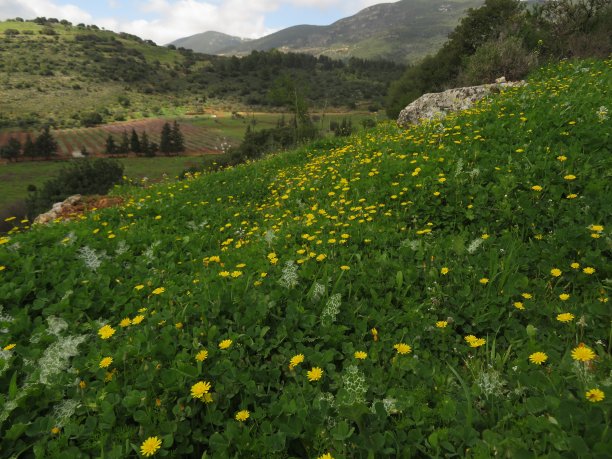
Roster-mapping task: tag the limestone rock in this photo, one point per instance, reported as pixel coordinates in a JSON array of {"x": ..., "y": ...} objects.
[{"x": 437, "y": 105}]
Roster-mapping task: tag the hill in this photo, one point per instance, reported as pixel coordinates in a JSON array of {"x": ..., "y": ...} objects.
[
  {"x": 402, "y": 31},
  {"x": 209, "y": 42},
  {"x": 70, "y": 76},
  {"x": 436, "y": 291}
]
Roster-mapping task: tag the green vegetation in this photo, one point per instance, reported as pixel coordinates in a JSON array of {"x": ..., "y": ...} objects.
[
  {"x": 505, "y": 38},
  {"x": 440, "y": 291},
  {"x": 83, "y": 76}
]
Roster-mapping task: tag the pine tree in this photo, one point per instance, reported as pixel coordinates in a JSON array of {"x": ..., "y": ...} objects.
[
  {"x": 124, "y": 146},
  {"x": 177, "y": 139},
  {"x": 111, "y": 147},
  {"x": 135, "y": 143},
  {"x": 29, "y": 149},
  {"x": 45, "y": 143},
  {"x": 145, "y": 145},
  {"x": 166, "y": 144},
  {"x": 11, "y": 150}
]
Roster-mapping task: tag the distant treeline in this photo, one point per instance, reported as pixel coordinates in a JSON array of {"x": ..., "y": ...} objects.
[{"x": 507, "y": 38}]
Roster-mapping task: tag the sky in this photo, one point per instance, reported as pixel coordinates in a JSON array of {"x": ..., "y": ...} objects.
[{"x": 166, "y": 20}]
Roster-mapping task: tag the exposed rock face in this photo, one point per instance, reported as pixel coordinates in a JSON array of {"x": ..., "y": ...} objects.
[
  {"x": 76, "y": 205},
  {"x": 438, "y": 104}
]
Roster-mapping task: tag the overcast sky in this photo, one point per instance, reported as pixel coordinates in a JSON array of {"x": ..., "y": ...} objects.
[{"x": 166, "y": 20}]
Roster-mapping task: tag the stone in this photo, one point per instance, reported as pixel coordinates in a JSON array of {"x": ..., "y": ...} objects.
[{"x": 439, "y": 104}]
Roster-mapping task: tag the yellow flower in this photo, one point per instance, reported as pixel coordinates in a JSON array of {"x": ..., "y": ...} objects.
[
  {"x": 2, "y": 268},
  {"x": 139, "y": 287},
  {"x": 136, "y": 320},
  {"x": 344, "y": 268},
  {"x": 236, "y": 274},
  {"x": 225, "y": 344},
  {"x": 82, "y": 384},
  {"x": 178, "y": 325},
  {"x": 538, "y": 358},
  {"x": 224, "y": 273},
  {"x": 8, "y": 347},
  {"x": 106, "y": 362},
  {"x": 555, "y": 272},
  {"x": 583, "y": 353},
  {"x": 470, "y": 338},
  {"x": 402, "y": 348},
  {"x": 444, "y": 271},
  {"x": 478, "y": 342},
  {"x": 126, "y": 322},
  {"x": 536, "y": 188},
  {"x": 565, "y": 317},
  {"x": 55, "y": 430},
  {"x": 595, "y": 395},
  {"x": 106, "y": 332},
  {"x": 596, "y": 228},
  {"x": 575, "y": 265},
  {"x": 321, "y": 257},
  {"x": 361, "y": 355},
  {"x": 242, "y": 415},
  {"x": 441, "y": 324},
  {"x": 314, "y": 374},
  {"x": 484, "y": 281},
  {"x": 4, "y": 240},
  {"x": 588, "y": 270},
  {"x": 561, "y": 158},
  {"x": 296, "y": 360},
  {"x": 202, "y": 355},
  {"x": 519, "y": 305},
  {"x": 564, "y": 296},
  {"x": 200, "y": 388},
  {"x": 374, "y": 334},
  {"x": 150, "y": 446},
  {"x": 325, "y": 456},
  {"x": 570, "y": 177},
  {"x": 158, "y": 291},
  {"x": 527, "y": 296}
]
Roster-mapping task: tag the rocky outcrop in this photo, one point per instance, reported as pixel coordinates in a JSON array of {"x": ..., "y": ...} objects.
[
  {"x": 437, "y": 105},
  {"x": 76, "y": 205}
]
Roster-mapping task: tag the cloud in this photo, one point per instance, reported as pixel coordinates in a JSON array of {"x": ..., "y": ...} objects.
[{"x": 34, "y": 8}]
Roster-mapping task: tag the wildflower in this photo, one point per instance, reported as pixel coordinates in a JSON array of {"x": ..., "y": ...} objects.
[
  {"x": 583, "y": 353},
  {"x": 224, "y": 273},
  {"x": 402, "y": 348},
  {"x": 2, "y": 268},
  {"x": 361, "y": 355},
  {"x": 126, "y": 322},
  {"x": 555, "y": 272},
  {"x": 470, "y": 338},
  {"x": 242, "y": 415},
  {"x": 564, "y": 296},
  {"x": 575, "y": 265},
  {"x": 570, "y": 177},
  {"x": 571, "y": 196},
  {"x": 202, "y": 355},
  {"x": 561, "y": 158},
  {"x": 106, "y": 332},
  {"x": 441, "y": 324},
  {"x": 444, "y": 271},
  {"x": 519, "y": 305},
  {"x": 325, "y": 456},
  {"x": 136, "y": 320},
  {"x": 596, "y": 228},
  {"x": 374, "y": 334},
  {"x": 139, "y": 287},
  {"x": 595, "y": 395},
  {"x": 527, "y": 296},
  {"x": 344, "y": 268},
  {"x": 150, "y": 446},
  {"x": 225, "y": 344},
  {"x": 200, "y": 388},
  {"x": 8, "y": 347},
  {"x": 588, "y": 270},
  {"x": 236, "y": 274},
  {"x": 314, "y": 374},
  {"x": 536, "y": 188},
  {"x": 158, "y": 291},
  {"x": 484, "y": 281},
  {"x": 106, "y": 362},
  {"x": 478, "y": 342},
  {"x": 55, "y": 430},
  {"x": 296, "y": 360},
  {"x": 538, "y": 358},
  {"x": 178, "y": 325},
  {"x": 565, "y": 317},
  {"x": 82, "y": 384}
]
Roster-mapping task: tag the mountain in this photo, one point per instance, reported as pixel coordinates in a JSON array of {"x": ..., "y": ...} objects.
[
  {"x": 209, "y": 42},
  {"x": 403, "y": 31}
]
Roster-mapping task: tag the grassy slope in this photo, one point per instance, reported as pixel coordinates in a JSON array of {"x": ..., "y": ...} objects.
[{"x": 385, "y": 212}]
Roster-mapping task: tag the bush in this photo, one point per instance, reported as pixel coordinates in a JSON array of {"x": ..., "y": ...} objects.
[
  {"x": 502, "y": 57},
  {"x": 82, "y": 176}
]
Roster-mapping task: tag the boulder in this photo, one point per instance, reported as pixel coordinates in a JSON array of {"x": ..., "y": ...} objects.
[
  {"x": 438, "y": 104},
  {"x": 58, "y": 209}
]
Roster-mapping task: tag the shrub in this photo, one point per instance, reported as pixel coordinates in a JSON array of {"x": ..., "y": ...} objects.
[{"x": 82, "y": 176}]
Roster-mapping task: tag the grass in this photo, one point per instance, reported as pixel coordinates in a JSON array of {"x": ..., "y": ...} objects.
[{"x": 439, "y": 291}]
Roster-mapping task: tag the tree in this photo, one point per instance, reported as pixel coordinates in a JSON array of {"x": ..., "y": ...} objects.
[
  {"x": 178, "y": 141},
  {"x": 11, "y": 150},
  {"x": 45, "y": 143},
  {"x": 124, "y": 146},
  {"x": 111, "y": 147},
  {"x": 135, "y": 143},
  {"x": 165, "y": 142},
  {"x": 29, "y": 149}
]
